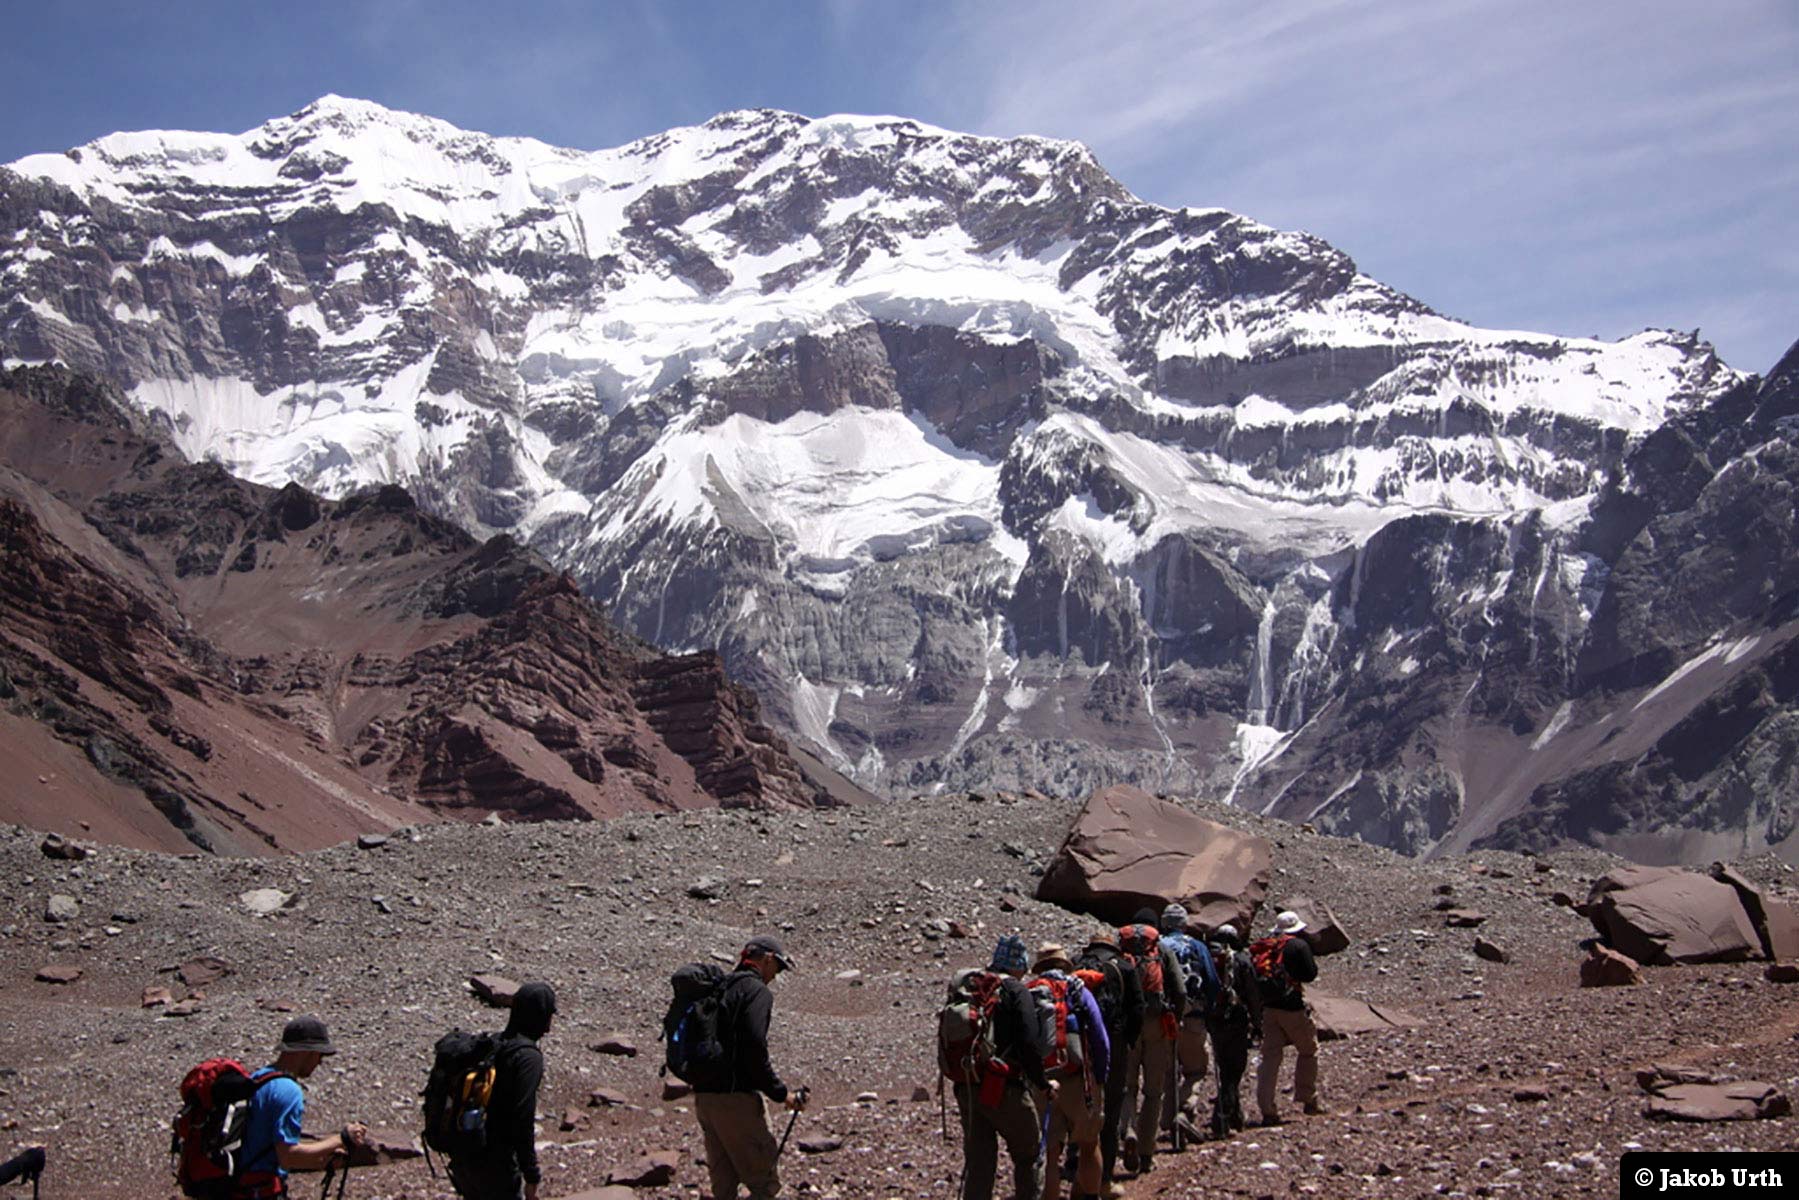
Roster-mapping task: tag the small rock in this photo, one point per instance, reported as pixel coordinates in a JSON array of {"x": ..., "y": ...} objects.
[
  {"x": 263, "y": 901},
  {"x": 707, "y": 887},
  {"x": 185, "y": 1008},
  {"x": 606, "y": 1098},
  {"x": 55, "y": 845},
  {"x": 198, "y": 972},
  {"x": 1464, "y": 918},
  {"x": 573, "y": 1119},
  {"x": 655, "y": 1169},
  {"x": 1530, "y": 1095},
  {"x": 1561, "y": 899},
  {"x": 1605, "y": 967},
  {"x": 959, "y": 930},
  {"x": 822, "y": 1143},
  {"x": 58, "y": 974},
  {"x": 495, "y": 990},
  {"x": 156, "y": 997},
  {"x": 1782, "y": 973},
  {"x": 921, "y": 1094},
  {"x": 615, "y": 1043},
  {"x": 60, "y": 909},
  {"x": 1006, "y": 905},
  {"x": 492, "y": 820},
  {"x": 1490, "y": 951},
  {"x": 371, "y": 841},
  {"x": 867, "y": 1097},
  {"x": 846, "y": 976},
  {"x": 275, "y": 1006},
  {"x": 674, "y": 1089}
]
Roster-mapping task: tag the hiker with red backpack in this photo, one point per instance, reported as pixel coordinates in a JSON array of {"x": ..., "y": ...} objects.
[
  {"x": 1234, "y": 1021},
  {"x": 1284, "y": 965},
  {"x": 1112, "y": 982},
  {"x": 238, "y": 1134},
  {"x": 991, "y": 1047},
  {"x": 728, "y": 1095},
  {"x": 1078, "y": 1063},
  {"x": 1151, "y": 1058},
  {"x": 500, "y": 1161}
]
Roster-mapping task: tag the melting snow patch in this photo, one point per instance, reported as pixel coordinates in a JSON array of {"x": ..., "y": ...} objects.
[{"x": 1557, "y": 723}]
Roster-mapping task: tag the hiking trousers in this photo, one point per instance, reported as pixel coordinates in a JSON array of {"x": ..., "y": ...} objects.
[
  {"x": 1230, "y": 1046},
  {"x": 480, "y": 1179},
  {"x": 1145, "y": 1080},
  {"x": 1017, "y": 1121},
  {"x": 1192, "y": 1062},
  {"x": 1112, "y": 1116},
  {"x": 1282, "y": 1027},
  {"x": 739, "y": 1147}
]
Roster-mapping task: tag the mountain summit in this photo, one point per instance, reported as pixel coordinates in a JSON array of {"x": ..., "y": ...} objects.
[{"x": 980, "y": 469}]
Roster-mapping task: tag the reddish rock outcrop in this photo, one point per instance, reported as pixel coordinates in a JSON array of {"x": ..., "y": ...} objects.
[
  {"x": 1605, "y": 967},
  {"x": 1661, "y": 915},
  {"x": 1127, "y": 849}
]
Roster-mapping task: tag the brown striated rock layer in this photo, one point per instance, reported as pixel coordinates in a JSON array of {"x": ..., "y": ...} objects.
[{"x": 188, "y": 660}]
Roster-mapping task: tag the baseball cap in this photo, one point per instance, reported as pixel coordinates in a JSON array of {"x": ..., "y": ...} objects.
[{"x": 762, "y": 944}]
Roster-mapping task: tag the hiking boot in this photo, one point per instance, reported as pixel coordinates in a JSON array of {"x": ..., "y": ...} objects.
[
  {"x": 1145, "y": 1163},
  {"x": 1315, "y": 1109},
  {"x": 1270, "y": 1120},
  {"x": 1127, "y": 1157}
]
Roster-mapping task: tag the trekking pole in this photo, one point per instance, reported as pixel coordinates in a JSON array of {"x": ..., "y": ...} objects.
[{"x": 804, "y": 1092}]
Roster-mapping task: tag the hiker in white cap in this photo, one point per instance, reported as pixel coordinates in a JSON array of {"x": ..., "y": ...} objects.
[{"x": 1284, "y": 965}]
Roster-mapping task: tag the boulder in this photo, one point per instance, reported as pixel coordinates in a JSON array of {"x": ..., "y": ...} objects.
[
  {"x": 496, "y": 990},
  {"x": 1491, "y": 951},
  {"x": 655, "y": 1169},
  {"x": 1776, "y": 923},
  {"x": 1340, "y": 1017},
  {"x": 1662, "y": 915},
  {"x": 1605, "y": 967},
  {"x": 1782, "y": 973},
  {"x": 1323, "y": 929},
  {"x": 55, "y": 845},
  {"x": 1744, "y": 1100},
  {"x": 1127, "y": 850}
]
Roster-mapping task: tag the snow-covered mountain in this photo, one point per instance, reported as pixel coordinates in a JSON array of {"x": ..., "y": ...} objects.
[{"x": 980, "y": 469}]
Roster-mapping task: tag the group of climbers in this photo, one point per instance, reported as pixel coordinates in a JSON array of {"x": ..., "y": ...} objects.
[{"x": 1106, "y": 1054}]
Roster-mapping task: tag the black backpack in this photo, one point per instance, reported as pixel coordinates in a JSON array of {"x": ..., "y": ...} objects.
[
  {"x": 1100, "y": 971},
  {"x": 693, "y": 1030},
  {"x": 1225, "y": 1000},
  {"x": 458, "y": 1091}
]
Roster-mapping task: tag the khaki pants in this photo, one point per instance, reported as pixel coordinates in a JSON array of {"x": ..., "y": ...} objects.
[
  {"x": 1017, "y": 1121},
  {"x": 1146, "y": 1070},
  {"x": 1282, "y": 1027},
  {"x": 739, "y": 1147},
  {"x": 1192, "y": 1056}
]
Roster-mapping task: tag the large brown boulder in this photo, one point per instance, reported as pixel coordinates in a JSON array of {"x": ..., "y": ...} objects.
[
  {"x": 1128, "y": 850},
  {"x": 1340, "y": 1017},
  {"x": 1323, "y": 929},
  {"x": 1662, "y": 915},
  {"x": 1776, "y": 923}
]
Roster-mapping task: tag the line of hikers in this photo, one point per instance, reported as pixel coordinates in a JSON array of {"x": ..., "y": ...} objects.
[
  {"x": 1106, "y": 1051},
  {"x": 1102, "y": 1053}
]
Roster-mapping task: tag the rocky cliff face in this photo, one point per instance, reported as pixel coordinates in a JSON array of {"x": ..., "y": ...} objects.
[
  {"x": 979, "y": 470},
  {"x": 268, "y": 669}
]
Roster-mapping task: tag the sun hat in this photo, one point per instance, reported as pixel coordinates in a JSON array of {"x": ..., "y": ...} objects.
[
  {"x": 304, "y": 1035},
  {"x": 1289, "y": 922},
  {"x": 1052, "y": 955}
]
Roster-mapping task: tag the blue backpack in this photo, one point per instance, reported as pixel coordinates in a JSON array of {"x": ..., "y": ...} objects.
[{"x": 1198, "y": 974}]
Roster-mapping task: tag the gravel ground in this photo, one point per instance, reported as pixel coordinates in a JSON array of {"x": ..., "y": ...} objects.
[{"x": 381, "y": 941}]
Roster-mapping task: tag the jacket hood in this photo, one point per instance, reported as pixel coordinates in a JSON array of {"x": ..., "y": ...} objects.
[{"x": 531, "y": 1010}]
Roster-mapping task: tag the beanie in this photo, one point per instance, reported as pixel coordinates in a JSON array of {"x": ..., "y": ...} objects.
[{"x": 1011, "y": 954}]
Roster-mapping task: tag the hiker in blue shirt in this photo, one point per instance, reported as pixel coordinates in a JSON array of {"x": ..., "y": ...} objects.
[{"x": 273, "y": 1144}]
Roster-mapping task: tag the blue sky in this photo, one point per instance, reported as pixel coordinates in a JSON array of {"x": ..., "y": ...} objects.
[{"x": 1586, "y": 167}]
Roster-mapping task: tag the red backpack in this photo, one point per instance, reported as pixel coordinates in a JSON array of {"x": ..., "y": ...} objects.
[
  {"x": 208, "y": 1132},
  {"x": 1058, "y": 999},
  {"x": 965, "y": 1041},
  {"x": 1269, "y": 957},
  {"x": 1142, "y": 945}
]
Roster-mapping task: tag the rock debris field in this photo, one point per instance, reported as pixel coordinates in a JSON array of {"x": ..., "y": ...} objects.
[{"x": 1517, "y": 1082}]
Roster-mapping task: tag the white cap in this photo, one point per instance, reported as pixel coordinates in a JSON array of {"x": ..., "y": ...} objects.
[
  {"x": 1225, "y": 933},
  {"x": 1289, "y": 922}
]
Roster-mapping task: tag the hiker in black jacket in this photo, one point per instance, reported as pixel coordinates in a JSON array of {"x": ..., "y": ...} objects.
[
  {"x": 990, "y": 1110},
  {"x": 739, "y": 1146},
  {"x": 510, "y": 1160},
  {"x": 1120, "y": 997},
  {"x": 1286, "y": 1018},
  {"x": 1234, "y": 1022}
]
